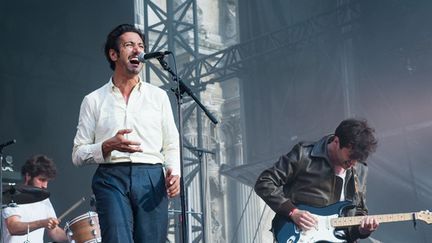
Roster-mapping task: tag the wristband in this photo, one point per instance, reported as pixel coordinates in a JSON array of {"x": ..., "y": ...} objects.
[{"x": 291, "y": 212}]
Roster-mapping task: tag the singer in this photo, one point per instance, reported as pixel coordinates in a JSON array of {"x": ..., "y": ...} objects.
[
  {"x": 320, "y": 174},
  {"x": 127, "y": 128}
]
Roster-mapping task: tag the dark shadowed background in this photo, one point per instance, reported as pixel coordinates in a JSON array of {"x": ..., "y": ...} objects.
[{"x": 52, "y": 55}]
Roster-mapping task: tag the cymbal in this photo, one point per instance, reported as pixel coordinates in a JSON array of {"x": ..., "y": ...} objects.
[{"x": 23, "y": 194}]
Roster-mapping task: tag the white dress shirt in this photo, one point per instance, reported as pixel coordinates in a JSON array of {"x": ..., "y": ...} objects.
[{"x": 148, "y": 113}]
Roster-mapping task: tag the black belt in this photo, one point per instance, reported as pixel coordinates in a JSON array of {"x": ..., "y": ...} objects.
[{"x": 121, "y": 164}]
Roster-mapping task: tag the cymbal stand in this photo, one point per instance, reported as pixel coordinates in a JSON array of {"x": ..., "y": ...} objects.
[
  {"x": 2, "y": 146},
  {"x": 28, "y": 232}
]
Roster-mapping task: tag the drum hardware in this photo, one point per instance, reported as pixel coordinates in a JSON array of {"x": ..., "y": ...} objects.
[
  {"x": 92, "y": 222},
  {"x": 84, "y": 229},
  {"x": 28, "y": 232},
  {"x": 9, "y": 175},
  {"x": 9, "y": 164},
  {"x": 9, "y": 161},
  {"x": 92, "y": 201}
]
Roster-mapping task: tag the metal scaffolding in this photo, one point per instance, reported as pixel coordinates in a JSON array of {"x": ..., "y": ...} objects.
[
  {"x": 175, "y": 28},
  {"x": 229, "y": 62}
]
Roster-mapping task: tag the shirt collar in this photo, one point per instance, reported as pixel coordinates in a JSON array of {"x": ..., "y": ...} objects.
[
  {"x": 320, "y": 148},
  {"x": 112, "y": 86}
]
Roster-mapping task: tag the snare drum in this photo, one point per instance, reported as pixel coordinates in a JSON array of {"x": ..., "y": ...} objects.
[{"x": 84, "y": 229}]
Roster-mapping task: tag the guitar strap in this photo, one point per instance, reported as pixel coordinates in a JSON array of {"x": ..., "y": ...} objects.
[
  {"x": 358, "y": 189},
  {"x": 356, "y": 181}
]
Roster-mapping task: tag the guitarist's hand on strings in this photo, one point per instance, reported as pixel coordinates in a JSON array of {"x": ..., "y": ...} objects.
[
  {"x": 368, "y": 225},
  {"x": 303, "y": 219}
]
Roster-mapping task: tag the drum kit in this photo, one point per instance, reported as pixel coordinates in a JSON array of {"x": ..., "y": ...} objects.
[{"x": 81, "y": 229}]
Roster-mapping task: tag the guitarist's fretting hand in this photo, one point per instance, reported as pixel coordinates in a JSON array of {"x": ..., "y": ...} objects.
[
  {"x": 303, "y": 219},
  {"x": 368, "y": 225}
]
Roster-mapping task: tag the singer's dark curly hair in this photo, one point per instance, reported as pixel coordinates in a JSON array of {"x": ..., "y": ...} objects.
[
  {"x": 39, "y": 165},
  {"x": 358, "y": 136},
  {"x": 112, "y": 40}
]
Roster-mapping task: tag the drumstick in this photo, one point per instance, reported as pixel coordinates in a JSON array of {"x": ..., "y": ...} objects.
[{"x": 72, "y": 208}]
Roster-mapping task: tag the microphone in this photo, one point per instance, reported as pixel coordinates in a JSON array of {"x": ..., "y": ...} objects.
[
  {"x": 142, "y": 57},
  {"x": 7, "y": 143}
]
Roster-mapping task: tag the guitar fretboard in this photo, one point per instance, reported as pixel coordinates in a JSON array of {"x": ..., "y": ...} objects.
[{"x": 382, "y": 218}]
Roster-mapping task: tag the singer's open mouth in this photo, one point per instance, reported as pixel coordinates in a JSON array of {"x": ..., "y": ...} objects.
[{"x": 134, "y": 61}]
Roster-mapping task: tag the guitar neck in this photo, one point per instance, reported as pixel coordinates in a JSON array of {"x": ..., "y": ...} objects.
[{"x": 382, "y": 218}]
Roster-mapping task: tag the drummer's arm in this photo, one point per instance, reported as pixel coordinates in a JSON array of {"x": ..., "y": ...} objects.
[
  {"x": 17, "y": 227},
  {"x": 57, "y": 234}
]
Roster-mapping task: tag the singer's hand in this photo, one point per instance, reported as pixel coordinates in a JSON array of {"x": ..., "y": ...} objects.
[
  {"x": 120, "y": 143},
  {"x": 172, "y": 183}
]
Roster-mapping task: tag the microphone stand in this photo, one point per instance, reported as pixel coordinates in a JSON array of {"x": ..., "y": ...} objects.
[{"x": 179, "y": 91}]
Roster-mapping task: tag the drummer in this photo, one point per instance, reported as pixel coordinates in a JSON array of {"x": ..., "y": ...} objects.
[{"x": 37, "y": 216}]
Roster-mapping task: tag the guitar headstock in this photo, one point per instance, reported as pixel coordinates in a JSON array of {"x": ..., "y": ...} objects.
[{"x": 425, "y": 216}]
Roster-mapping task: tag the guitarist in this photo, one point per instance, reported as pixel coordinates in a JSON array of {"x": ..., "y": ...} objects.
[{"x": 319, "y": 174}]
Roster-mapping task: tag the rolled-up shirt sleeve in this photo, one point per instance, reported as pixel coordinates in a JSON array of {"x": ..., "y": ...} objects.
[
  {"x": 170, "y": 136},
  {"x": 85, "y": 150}
]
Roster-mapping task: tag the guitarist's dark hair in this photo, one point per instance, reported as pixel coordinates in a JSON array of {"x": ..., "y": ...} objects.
[{"x": 357, "y": 135}]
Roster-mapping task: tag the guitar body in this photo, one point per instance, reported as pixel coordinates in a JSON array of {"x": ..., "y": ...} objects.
[{"x": 286, "y": 231}]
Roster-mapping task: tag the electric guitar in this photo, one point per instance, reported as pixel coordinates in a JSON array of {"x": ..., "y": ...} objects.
[{"x": 330, "y": 221}]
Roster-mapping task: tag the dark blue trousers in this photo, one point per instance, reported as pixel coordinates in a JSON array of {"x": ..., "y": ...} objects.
[{"x": 131, "y": 202}]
